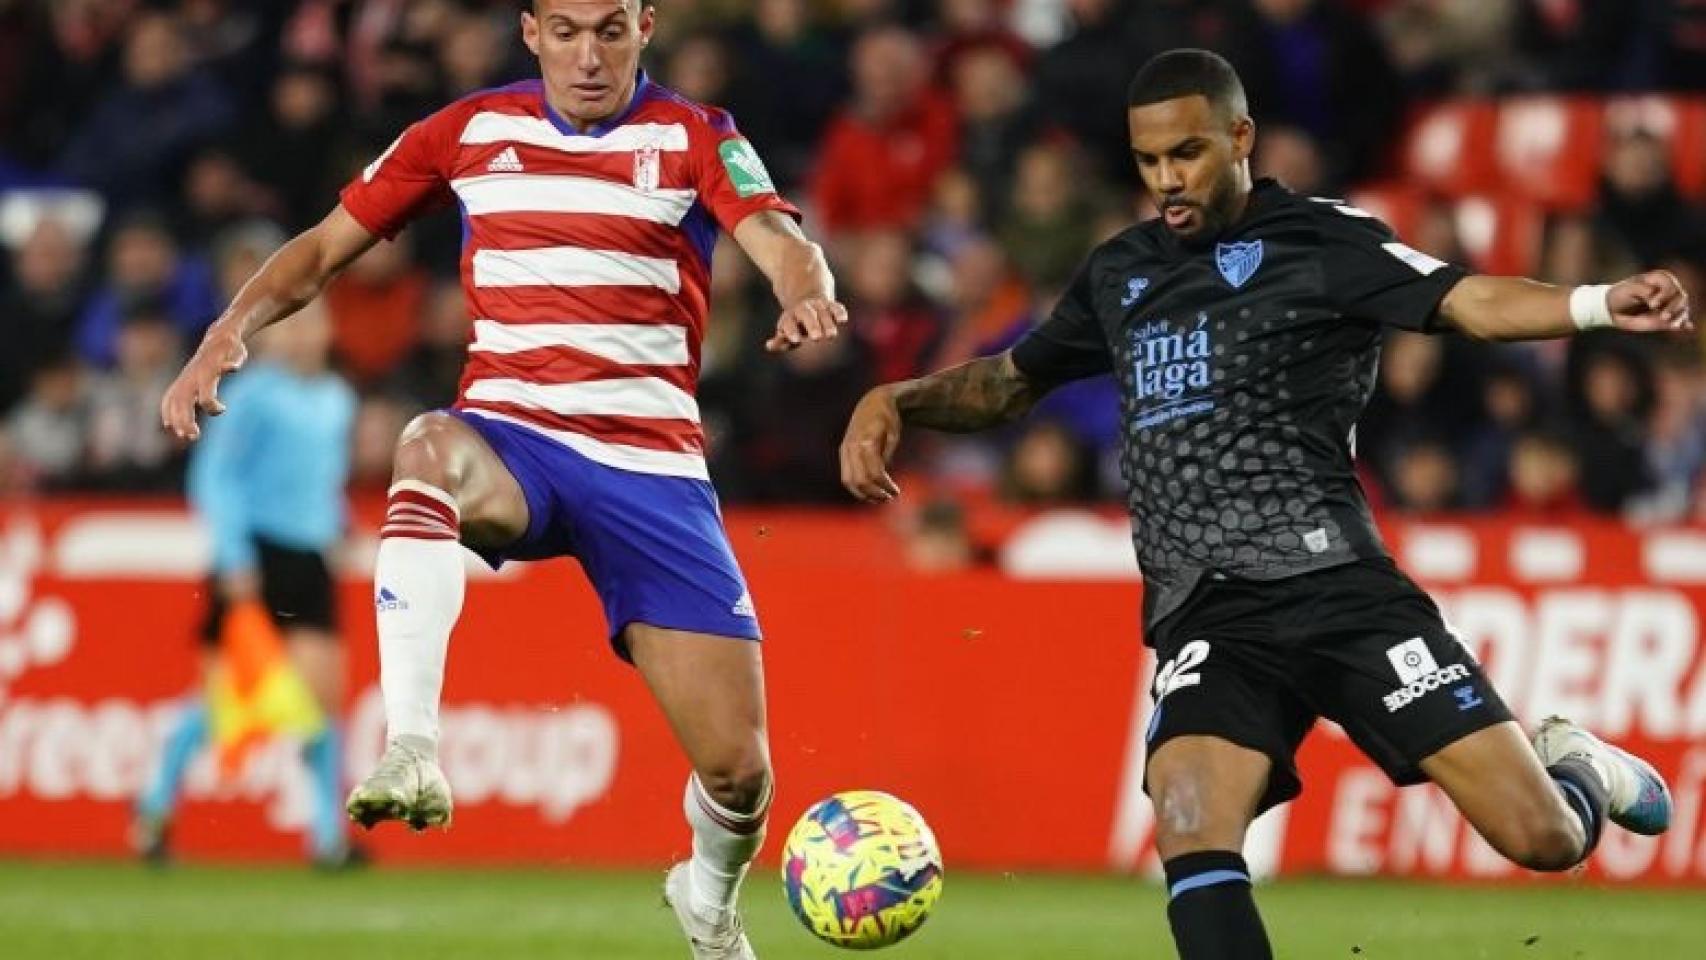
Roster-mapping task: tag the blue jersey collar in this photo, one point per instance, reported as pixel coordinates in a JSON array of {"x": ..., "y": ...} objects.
[{"x": 642, "y": 89}]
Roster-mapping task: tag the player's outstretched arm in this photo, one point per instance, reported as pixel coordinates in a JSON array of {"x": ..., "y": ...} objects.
[
  {"x": 975, "y": 395},
  {"x": 1511, "y": 308},
  {"x": 800, "y": 276},
  {"x": 285, "y": 284}
]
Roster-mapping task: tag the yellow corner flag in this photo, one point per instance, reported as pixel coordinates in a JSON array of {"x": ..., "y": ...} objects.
[{"x": 254, "y": 691}]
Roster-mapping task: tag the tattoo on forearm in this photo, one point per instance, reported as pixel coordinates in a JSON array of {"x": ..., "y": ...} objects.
[{"x": 976, "y": 395}]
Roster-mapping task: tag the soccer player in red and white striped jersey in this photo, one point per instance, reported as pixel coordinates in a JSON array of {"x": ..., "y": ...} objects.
[{"x": 591, "y": 200}]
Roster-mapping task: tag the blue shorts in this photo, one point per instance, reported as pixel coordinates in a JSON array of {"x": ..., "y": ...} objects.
[{"x": 653, "y": 546}]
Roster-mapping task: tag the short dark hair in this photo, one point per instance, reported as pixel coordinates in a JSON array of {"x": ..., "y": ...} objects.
[{"x": 1189, "y": 72}]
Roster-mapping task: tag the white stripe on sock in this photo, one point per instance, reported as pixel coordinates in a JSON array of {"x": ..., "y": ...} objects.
[
  {"x": 720, "y": 856},
  {"x": 425, "y": 490}
]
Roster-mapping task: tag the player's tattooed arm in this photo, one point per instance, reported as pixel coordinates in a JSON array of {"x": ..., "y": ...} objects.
[{"x": 976, "y": 395}]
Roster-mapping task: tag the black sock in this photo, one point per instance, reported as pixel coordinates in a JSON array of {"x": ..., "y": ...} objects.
[
  {"x": 1579, "y": 782},
  {"x": 1211, "y": 910}
]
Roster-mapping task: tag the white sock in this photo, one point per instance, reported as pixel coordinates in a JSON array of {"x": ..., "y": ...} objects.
[
  {"x": 724, "y": 843},
  {"x": 418, "y": 586}
]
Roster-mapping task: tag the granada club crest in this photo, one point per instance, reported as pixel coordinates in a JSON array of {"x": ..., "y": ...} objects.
[
  {"x": 1238, "y": 262},
  {"x": 646, "y": 163}
]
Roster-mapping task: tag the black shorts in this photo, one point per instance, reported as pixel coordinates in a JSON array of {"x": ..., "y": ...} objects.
[
  {"x": 296, "y": 587},
  {"x": 1257, "y": 662}
]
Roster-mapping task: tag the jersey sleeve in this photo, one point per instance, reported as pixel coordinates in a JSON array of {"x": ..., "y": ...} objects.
[
  {"x": 1372, "y": 275},
  {"x": 410, "y": 178},
  {"x": 1069, "y": 345},
  {"x": 733, "y": 183}
]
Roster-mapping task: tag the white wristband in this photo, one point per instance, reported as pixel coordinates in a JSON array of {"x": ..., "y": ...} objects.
[{"x": 1590, "y": 306}]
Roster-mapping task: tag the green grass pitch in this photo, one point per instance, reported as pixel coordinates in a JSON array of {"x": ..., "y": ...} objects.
[{"x": 98, "y": 910}]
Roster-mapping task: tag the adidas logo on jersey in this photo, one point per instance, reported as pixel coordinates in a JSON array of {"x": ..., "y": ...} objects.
[{"x": 505, "y": 162}]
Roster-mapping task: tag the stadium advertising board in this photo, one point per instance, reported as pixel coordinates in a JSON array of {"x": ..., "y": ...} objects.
[{"x": 1008, "y": 704}]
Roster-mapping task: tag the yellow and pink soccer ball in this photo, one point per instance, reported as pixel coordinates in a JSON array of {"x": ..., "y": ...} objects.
[{"x": 861, "y": 870}]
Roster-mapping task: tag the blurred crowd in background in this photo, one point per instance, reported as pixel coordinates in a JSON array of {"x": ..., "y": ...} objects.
[{"x": 957, "y": 158}]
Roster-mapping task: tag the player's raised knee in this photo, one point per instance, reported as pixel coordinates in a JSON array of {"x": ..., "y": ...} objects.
[
  {"x": 1187, "y": 821},
  {"x": 427, "y": 450},
  {"x": 742, "y": 785},
  {"x": 1555, "y": 844},
  {"x": 1540, "y": 839}
]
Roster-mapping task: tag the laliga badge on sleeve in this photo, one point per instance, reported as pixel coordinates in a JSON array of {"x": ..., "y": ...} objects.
[{"x": 745, "y": 170}]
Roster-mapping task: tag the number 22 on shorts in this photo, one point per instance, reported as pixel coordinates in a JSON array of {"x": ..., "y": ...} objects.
[{"x": 1180, "y": 671}]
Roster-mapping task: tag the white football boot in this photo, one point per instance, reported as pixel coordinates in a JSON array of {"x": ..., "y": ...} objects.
[
  {"x": 725, "y": 940},
  {"x": 407, "y": 785},
  {"x": 1637, "y": 798}
]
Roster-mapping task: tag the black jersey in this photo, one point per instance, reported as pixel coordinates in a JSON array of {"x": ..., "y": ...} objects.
[{"x": 1243, "y": 368}]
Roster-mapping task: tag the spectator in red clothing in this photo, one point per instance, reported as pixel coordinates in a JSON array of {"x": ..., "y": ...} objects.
[
  {"x": 1544, "y": 482},
  {"x": 1425, "y": 478},
  {"x": 968, "y": 25},
  {"x": 374, "y": 307},
  {"x": 887, "y": 310},
  {"x": 882, "y": 153}
]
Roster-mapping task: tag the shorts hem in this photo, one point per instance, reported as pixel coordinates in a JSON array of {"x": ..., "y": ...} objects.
[
  {"x": 1413, "y": 775},
  {"x": 750, "y": 633},
  {"x": 1284, "y": 785},
  {"x": 538, "y": 505}
]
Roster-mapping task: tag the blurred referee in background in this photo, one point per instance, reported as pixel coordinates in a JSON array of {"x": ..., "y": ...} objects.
[{"x": 268, "y": 481}]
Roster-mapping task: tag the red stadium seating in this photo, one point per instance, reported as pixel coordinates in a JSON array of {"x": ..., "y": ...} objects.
[
  {"x": 1680, "y": 120},
  {"x": 1397, "y": 205},
  {"x": 1449, "y": 148},
  {"x": 1506, "y": 164},
  {"x": 1548, "y": 149},
  {"x": 1500, "y": 233}
]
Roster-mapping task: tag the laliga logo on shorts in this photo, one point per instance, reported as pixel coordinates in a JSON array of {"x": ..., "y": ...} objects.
[
  {"x": 1418, "y": 672},
  {"x": 35, "y": 634}
]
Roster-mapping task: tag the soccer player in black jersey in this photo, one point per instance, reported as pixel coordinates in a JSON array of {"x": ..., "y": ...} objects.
[{"x": 1244, "y": 326}]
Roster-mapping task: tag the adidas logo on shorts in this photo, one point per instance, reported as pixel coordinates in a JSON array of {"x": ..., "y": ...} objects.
[
  {"x": 743, "y": 606},
  {"x": 386, "y": 600},
  {"x": 505, "y": 162}
]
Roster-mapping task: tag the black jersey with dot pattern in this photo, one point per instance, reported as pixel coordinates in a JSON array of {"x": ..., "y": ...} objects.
[{"x": 1243, "y": 366}]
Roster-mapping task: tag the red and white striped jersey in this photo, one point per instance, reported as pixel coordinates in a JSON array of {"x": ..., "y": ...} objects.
[{"x": 585, "y": 258}]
